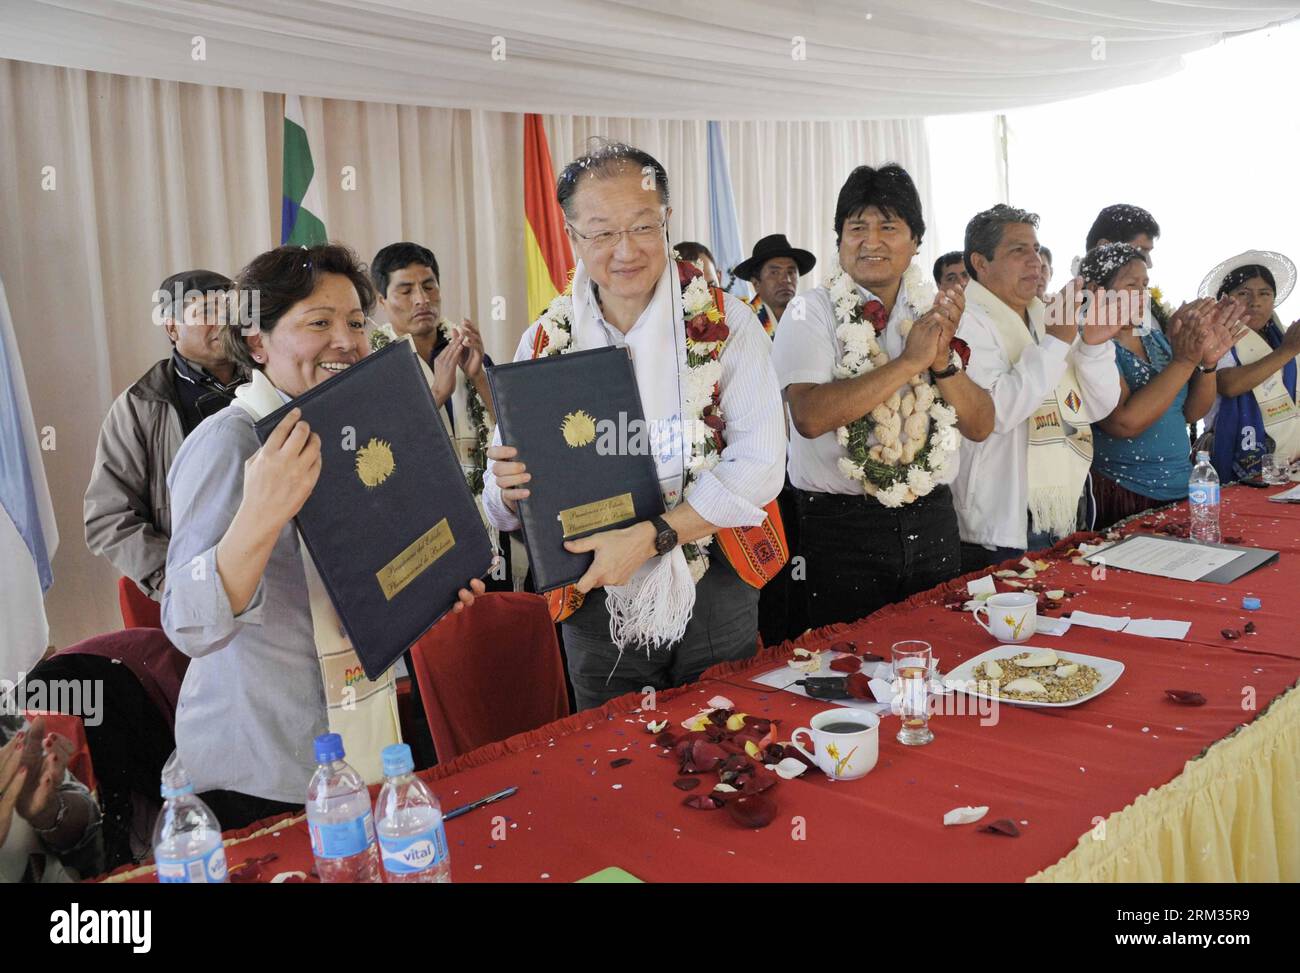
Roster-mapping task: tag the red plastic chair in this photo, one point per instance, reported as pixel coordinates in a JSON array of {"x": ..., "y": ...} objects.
[
  {"x": 490, "y": 672},
  {"x": 138, "y": 609}
]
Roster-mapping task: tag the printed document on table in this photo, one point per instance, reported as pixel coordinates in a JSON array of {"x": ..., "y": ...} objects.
[{"x": 1165, "y": 558}]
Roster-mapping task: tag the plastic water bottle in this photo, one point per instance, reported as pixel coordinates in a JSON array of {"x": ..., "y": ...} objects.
[
  {"x": 186, "y": 838},
  {"x": 1203, "y": 499},
  {"x": 338, "y": 817},
  {"x": 408, "y": 817}
]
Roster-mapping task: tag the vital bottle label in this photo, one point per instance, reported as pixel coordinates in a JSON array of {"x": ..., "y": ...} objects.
[
  {"x": 1203, "y": 493},
  {"x": 344, "y": 839},
  {"x": 199, "y": 870},
  {"x": 417, "y": 853}
]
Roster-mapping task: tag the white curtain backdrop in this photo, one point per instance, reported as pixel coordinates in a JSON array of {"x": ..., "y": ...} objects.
[{"x": 110, "y": 183}]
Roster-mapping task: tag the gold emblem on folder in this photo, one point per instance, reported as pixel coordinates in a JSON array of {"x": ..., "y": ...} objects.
[
  {"x": 375, "y": 462},
  {"x": 579, "y": 429}
]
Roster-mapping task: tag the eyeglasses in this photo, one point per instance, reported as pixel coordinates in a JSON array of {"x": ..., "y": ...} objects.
[{"x": 608, "y": 239}]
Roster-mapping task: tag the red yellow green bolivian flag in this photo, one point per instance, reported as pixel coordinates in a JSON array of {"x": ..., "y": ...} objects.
[{"x": 547, "y": 255}]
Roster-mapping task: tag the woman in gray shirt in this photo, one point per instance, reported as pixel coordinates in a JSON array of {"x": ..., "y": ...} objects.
[{"x": 236, "y": 599}]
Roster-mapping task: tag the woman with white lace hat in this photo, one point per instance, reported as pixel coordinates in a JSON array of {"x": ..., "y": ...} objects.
[{"x": 1257, "y": 412}]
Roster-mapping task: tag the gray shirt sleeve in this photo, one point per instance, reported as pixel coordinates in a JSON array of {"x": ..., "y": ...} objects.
[{"x": 207, "y": 486}]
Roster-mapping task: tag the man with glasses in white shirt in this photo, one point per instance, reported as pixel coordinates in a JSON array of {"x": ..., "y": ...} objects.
[{"x": 626, "y": 292}]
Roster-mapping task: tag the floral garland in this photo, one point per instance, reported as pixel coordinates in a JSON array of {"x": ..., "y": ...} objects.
[
  {"x": 915, "y": 431},
  {"x": 702, "y": 420},
  {"x": 384, "y": 334}
]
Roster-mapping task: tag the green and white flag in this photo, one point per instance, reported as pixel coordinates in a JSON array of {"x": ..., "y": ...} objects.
[{"x": 302, "y": 217}]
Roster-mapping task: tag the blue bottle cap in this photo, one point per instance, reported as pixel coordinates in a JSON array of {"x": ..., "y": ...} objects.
[
  {"x": 397, "y": 760},
  {"x": 1250, "y": 604},
  {"x": 329, "y": 747}
]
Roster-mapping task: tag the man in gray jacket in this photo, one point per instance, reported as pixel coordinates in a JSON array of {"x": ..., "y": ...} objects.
[{"x": 127, "y": 511}]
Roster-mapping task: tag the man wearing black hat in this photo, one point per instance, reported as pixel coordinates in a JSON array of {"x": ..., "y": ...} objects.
[
  {"x": 127, "y": 511},
  {"x": 774, "y": 269}
]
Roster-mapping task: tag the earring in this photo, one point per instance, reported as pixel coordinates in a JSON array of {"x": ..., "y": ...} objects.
[{"x": 258, "y": 359}]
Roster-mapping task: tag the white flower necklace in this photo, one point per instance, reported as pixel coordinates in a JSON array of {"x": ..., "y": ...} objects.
[
  {"x": 702, "y": 422},
  {"x": 914, "y": 430}
]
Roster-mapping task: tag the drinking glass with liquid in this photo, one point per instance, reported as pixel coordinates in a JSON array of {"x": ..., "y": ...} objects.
[{"x": 911, "y": 662}]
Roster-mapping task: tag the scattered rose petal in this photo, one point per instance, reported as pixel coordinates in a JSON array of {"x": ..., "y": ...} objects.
[
  {"x": 719, "y": 717},
  {"x": 752, "y": 810},
  {"x": 620, "y": 762},
  {"x": 697, "y": 722},
  {"x": 721, "y": 702},
  {"x": 871, "y": 657},
  {"x": 1016, "y": 584},
  {"x": 1005, "y": 574},
  {"x": 736, "y": 721},
  {"x": 801, "y": 653},
  {"x": 686, "y": 783},
  {"x": 858, "y": 686},
  {"x": 290, "y": 877},
  {"x": 1003, "y": 826},
  {"x": 789, "y": 768},
  {"x": 964, "y": 815},
  {"x": 850, "y": 647},
  {"x": 752, "y": 748},
  {"x": 653, "y": 727},
  {"x": 1250, "y": 628},
  {"x": 703, "y": 802},
  {"x": 760, "y": 779},
  {"x": 250, "y": 870},
  {"x": 1056, "y": 594},
  {"x": 667, "y": 739},
  {"x": 1230, "y": 633},
  {"x": 847, "y": 663},
  {"x": 1232, "y": 540},
  {"x": 1186, "y": 697},
  {"x": 724, "y": 789},
  {"x": 809, "y": 665}
]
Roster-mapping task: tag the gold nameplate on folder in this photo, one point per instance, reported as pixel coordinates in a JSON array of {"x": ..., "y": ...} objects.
[
  {"x": 411, "y": 563},
  {"x": 597, "y": 514}
]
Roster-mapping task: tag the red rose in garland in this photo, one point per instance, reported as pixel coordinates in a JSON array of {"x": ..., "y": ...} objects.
[{"x": 874, "y": 312}]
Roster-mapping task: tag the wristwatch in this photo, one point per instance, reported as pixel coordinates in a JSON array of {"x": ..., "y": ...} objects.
[
  {"x": 665, "y": 536},
  {"x": 954, "y": 366}
]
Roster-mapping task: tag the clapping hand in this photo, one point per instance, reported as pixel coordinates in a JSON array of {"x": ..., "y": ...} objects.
[
  {"x": 946, "y": 314},
  {"x": 444, "y": 369},
  {"x": 471, "y": 362},
  {"x": 1223, "y": 329}
]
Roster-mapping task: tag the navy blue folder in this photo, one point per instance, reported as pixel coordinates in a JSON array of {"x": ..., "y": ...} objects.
[
  {"x": 391, "y": 524},
  {"x": 555, "y": 411}
]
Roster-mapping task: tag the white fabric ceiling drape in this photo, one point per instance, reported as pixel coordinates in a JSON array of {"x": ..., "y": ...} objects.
[
  {"x": 150, "y": 177},
  {"x": 742, "y": 59}
]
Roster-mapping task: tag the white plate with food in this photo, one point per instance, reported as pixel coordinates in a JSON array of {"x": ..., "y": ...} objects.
[{"x": 1029, "y": 675}]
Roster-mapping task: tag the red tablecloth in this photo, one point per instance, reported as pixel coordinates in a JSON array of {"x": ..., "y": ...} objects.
[{"x": 1055, "y": 772}]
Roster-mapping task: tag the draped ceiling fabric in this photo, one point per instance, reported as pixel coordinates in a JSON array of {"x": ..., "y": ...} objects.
[{"x": 733, "y": 59}]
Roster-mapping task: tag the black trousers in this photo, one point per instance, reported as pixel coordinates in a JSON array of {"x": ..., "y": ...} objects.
[
  {"x": 861, "y": 555},
  {"x": 783, "y": 602}
]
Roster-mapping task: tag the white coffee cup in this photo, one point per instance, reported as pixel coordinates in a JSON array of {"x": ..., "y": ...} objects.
[
  {"x": 1013, "y": 616},
  {"x": 842, "y": 755}
]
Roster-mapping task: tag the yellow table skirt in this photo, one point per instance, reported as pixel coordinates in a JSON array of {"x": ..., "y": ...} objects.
[{"x": 1232, "y": 815}]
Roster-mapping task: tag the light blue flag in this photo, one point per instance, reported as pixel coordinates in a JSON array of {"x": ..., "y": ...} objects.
[
  {"x": 28, "y": 535},
  {"x": 724, "y": 229}
]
